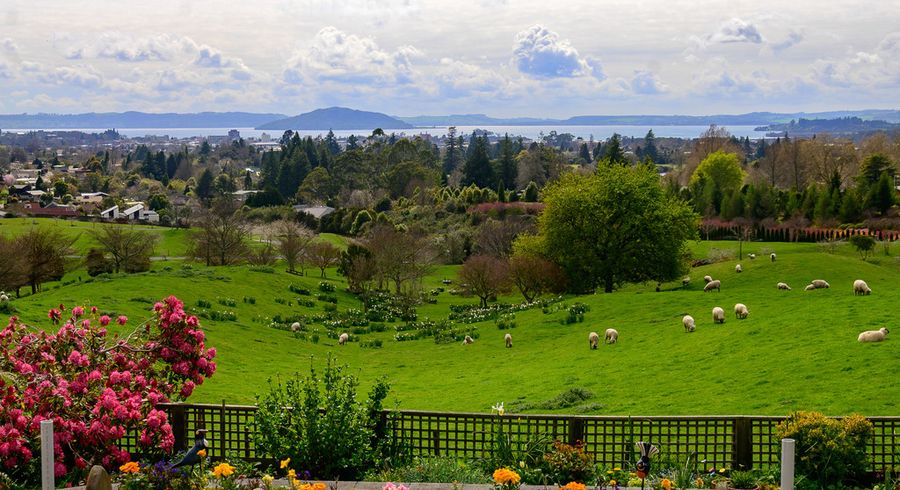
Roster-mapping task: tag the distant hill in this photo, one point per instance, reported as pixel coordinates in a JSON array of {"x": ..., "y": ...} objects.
[
  {"x": 338, "y": 118},
  {"x": 836, "y": 127},
  {"x": 105, "y": 120}
]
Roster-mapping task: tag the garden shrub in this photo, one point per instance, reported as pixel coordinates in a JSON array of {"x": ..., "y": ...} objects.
[
  {"x": 96, "y": 388},
  {"x": 576, "y": 313},
  {"x": 565, "y": 463},
  {"x": 828, "y": 450},
  {"x": 505, "y": 322},
  {"x": 326, "y": 287},
  {"x": 435, "y": 470},
  {"x": 328, "y": 431}
]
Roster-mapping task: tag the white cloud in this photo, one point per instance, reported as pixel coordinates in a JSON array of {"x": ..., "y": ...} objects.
[
  {"x": 126, "y": 48},
  {"x": 459, "y": 79},
  {"x": 647, "y": 83},
  {"x": 874, "y": 70},
  {"x": 9, "y": 46},
  {"x": 792, "y": 39},
  {"x": 336, "y": 56},
  {"x": 736, "y": 30},
  {"x": 540, "y": 53},
  {"x": 83, "y": 76}
]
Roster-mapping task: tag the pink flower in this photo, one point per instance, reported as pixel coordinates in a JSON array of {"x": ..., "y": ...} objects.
[
  {"x": 104, "y": 320},
  {"x": 77, "y": 311},
  {"x": 93, "y": 310},
  {"x": 122, "y": 320}
]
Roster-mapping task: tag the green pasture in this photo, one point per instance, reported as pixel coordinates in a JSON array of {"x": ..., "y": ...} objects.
[
  {"x": 171, "y": 242},
  {"x": 797, "y": 349}
]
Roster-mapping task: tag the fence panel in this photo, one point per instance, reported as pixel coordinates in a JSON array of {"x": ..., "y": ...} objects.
[{"x": 714, "y": 441}]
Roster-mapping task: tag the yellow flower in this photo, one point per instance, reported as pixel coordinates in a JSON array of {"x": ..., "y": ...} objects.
[
  {"x": 305, "y": 486},
  {"x": 722, "y": 470},
  {"x": 666, "y": 484},
  {"x": 292, "y": 474},
  {"x": 268, "y": 479},
  {"x": 318, "y": 486},
  {"x": 130, "y": 467},
  {"x": 201, "y": 453},
  {"x": 223, "y": 470},
  {"x": 506, "y": 476},
  {"x": 612, "y": 483},
  {"x": 617, "y": 469},
  {"x": 285, "y": 463}
]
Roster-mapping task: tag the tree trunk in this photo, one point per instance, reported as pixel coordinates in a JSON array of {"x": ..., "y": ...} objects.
[{"x": 608, "y": 285}]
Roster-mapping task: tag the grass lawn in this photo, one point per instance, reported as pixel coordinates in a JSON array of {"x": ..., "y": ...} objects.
[{"x": 796, "y": 350}]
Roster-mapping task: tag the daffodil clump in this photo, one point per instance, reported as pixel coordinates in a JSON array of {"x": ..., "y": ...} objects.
[
  {"x": 506, "y": 479},
  {"x": 614, "y": 477},
  {"x": 297, "y": 483}
]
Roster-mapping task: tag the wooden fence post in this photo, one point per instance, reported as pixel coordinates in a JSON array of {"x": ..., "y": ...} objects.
[
  {"x": 436, "y": 441},
  {"x": 743, "y": 444},
  {"x": 576, "y": 431},
  {"x": 221, "y": 434},
  {"x": 179, "y": 425}
]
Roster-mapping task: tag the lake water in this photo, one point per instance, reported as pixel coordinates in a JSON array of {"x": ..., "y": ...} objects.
[{"x": 530, "y": 132}]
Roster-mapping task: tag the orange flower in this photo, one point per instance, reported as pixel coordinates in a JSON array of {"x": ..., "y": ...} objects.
[
  {"x": 319, "y": 486},
  {"x": 574, "y": 485},
  {"x": 223, "y": 470},
  {"x": 506, "y": 476},
  {"x": 666, "y": 484},
  {"x": 130, "y": 467},
  {"x": 201, "y": 453}
]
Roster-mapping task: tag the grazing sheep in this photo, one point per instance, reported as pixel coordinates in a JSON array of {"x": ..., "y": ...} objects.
[
  {"x": 740, "y": 311},
  {"x": 593, "y": 340},
  {"x": 612, "y": 336},
  {"x": 820, "y": 284},
  {"x": 295, "y": 327},
  {"x": 468, "y": 340},
  {"x": 738, "y": 268},
  {"x": 686, "y": 281},
  {"x": 717, "y": 285},
  {"x": 783, "y": 286},
  {"x": 707, "y": 279},
  {"x": 752, "y": 256},
  {"x": 508, "y": 339},
  {"x": 718, "y": 315},
  {"x": 688, "y": 322},
  {"x": 343, "y": 338},
  {"x": 772, "y": 256},
  {"x": 873, "y": 335},
  {"x": 809, "y": 287},
  {"x": 4, "y": 298},
  {"x": 859, "y": 287}
]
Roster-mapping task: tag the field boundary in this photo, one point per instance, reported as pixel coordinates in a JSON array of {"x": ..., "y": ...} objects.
[{"x": 738, "y": 441}]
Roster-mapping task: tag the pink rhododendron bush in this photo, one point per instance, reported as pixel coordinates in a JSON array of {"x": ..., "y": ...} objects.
[{"x": 96, "y": 387}]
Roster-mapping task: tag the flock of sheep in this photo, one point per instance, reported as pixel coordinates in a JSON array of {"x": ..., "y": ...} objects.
[{"x": 741, "y": 312}]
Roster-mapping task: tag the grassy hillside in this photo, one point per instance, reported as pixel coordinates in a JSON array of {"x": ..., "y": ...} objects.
[
  {"x": 172, "y": 242},
  {"x": 797, "y": 349}
]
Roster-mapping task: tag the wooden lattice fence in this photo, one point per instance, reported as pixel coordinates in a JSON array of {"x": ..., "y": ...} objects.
[{"x": 735, "y": 441}]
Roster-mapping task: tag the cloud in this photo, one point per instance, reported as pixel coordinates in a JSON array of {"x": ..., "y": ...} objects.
[
  {"x": 540, "y": 53},
  {"x": 647, "y": 83},
  {"x": 9, "y": 46},
  {"x": 125, "y": 48},
  {"x": 336, "y": 56},
  {"x": 84, "y": 76},
  {"x": 793, "y": 38},
  {"x": 874, "y": 70},
  {"x": 459, "y": 79},
  {"x": 735, "y": 30}
]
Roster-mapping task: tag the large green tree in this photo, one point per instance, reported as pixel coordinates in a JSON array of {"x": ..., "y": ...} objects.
[
  {"x": 613, "y": 227},
  {"x": 478, "y": 169},
  {"x": 718, "y": 175}
]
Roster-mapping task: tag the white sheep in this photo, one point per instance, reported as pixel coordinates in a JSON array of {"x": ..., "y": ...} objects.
[
  {"x": 686, "y": 281},
  {"x": 718, "y": 315},
  {"x": 783, "y": 286},
  {"x": 820, "y": 284},
  {"x": 612, "y": 336},
  {"x": 508, "y": 339},
  {"x": 717, "y": 285},
  {"x": 468, "y": 340},
  {"x": 738, "y": 268},
  {"x": 772, "y": 256},
  {"x": 707, "y": 279},
  {"x": 344, "y": 337},
  {"x": 688, "y": 322},
  {"x": 809, "y": 287},
  {"x": 295, "y": 327},
  {"x": 860, "y": 287},
  {"x": 740, "y": 311},
  {"x": 593, "y": 340},
  {"x": 3, "y": 298},
  {"x": 873, "y": 335},
  {"x": 752, "y": 256}
]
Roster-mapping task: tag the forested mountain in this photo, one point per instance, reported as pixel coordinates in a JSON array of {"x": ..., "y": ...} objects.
[{"x": 338, "y": 118}]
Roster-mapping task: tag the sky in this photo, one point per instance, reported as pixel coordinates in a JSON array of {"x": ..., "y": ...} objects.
[{"x": 504, "y": 58}]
